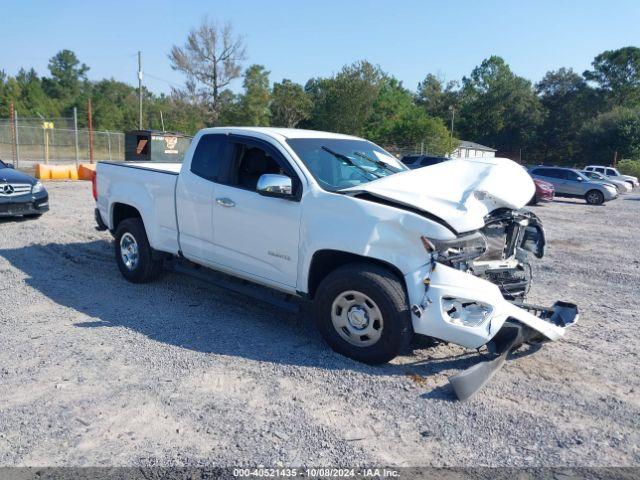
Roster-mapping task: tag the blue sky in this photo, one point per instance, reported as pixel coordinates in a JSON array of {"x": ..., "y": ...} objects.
[{"x": 301, "y": 39}]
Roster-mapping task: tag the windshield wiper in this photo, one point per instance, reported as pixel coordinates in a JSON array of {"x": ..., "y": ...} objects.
[
  {"x": 344, "y": 158},
  {"x": 379, "y": 163}
]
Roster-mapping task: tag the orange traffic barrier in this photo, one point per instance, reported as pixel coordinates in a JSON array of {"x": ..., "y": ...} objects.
[{"x": 86, "y": 171}]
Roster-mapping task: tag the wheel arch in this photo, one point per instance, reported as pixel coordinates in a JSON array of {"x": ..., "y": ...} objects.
[
  {"x": 326, "y": 261},
  {"x": 122, "y": 211}
]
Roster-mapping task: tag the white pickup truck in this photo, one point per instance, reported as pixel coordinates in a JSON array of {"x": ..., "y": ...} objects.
[{"x": 383, "y": 252}]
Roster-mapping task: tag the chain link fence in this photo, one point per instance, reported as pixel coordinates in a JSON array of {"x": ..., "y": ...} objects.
[
  {"x": 421, "y": 148},
  {"x": 56, "y": 141}
]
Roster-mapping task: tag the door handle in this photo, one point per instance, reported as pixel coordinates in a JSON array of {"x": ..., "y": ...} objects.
[{"x": 225, "y": 202}]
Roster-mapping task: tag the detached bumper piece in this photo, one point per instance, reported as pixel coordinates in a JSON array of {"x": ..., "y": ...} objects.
[
  {"x": 511, "y": 336},
  {"x": 562, "y": 314}
]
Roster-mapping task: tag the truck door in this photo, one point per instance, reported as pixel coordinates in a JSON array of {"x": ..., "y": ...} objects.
[
  {"x": 255, "y": 234},
  {"x": 195, "y": 198}
]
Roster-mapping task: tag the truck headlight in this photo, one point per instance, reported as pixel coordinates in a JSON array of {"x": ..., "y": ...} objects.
[
  {"x": 469, "y": 313},
  {"x": 462, "y": 248},
  {"x": 37, "y": 187}
]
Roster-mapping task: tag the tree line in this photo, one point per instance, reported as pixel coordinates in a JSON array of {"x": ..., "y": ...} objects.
[{"x": 565, "y": 118}]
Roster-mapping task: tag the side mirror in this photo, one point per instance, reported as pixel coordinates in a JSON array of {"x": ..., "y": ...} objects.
[
  {"x": 9, "y": 165},
  {"x": 272, "y": 185}
]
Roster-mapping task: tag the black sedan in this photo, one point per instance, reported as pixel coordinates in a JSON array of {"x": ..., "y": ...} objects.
[{"x": 21, "y": 194}]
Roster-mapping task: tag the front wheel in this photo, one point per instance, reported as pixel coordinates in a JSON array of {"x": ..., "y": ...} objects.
[
  {"x": 362, "y": 312},
  {"x": 133, "y": 252},
  {"x": 594, "y": 197}
]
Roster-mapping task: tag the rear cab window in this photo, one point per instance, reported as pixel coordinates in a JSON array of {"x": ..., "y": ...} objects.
[{"x": 209, "y": 155}]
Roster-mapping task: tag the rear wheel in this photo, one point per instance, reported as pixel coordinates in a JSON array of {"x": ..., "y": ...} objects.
[
  {"x": 594, "y": 197},
  {"x": 134, "y": 255},
  {"x": 362, "y": 312}
]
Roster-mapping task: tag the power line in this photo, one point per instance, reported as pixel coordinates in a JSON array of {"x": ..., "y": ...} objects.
[{"x": 164, "y": 80}]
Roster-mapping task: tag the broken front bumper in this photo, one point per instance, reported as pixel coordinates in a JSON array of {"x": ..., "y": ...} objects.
[{"x": 457, "y": 307}]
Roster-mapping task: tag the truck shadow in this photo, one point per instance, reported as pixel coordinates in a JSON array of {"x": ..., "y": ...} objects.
[{"x": 184, "y": 312}]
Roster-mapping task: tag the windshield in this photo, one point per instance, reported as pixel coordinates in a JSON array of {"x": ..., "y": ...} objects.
[
  {"x": 343, "y": 163},
  {"x": 2, "y": 164}
]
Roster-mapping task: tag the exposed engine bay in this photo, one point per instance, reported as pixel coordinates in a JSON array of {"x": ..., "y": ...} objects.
[{"x": 499, "y": 252}]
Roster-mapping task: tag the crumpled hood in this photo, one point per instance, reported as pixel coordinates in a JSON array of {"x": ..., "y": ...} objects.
[{"x": 460, "y": 192}]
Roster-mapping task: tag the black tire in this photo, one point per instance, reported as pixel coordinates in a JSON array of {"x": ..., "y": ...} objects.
[
  {"x": 594, "y": 197},
  {"x": 382, "y": 287},
  {"x": 146, "y": 268}
]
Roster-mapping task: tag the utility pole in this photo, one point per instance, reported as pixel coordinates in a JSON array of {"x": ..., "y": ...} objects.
[
  {"x": 90, "y": 119},
  {"x": 162, "y": 121},
  {"x": 140, "y": 90},
  {"x": 75, "y": 130},
  {"x": 15, "y": 126},
  {"x": 14, "y": 144}
]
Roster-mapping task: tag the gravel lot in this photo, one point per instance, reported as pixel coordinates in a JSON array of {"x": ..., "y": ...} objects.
[{"x": 96, "y": 371}]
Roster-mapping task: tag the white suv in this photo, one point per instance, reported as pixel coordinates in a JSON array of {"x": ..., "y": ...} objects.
[{"x": 613, "y": 172}]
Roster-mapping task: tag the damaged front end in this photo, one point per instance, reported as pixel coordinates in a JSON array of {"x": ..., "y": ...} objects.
[
  {"x": 473, "y": 293},
  {"x": 498, "y": 252}
]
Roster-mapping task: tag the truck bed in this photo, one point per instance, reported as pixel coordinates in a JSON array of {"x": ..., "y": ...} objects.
[
  {"x": 150, "y": 189},
  {"x": 161, "y": 167}
]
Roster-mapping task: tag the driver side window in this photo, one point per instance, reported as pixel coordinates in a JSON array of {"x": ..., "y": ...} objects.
[
  {"x": 572, "y": 176},
  {"x": 250, "y": 160},
  {"x": 249, "y": 164}
]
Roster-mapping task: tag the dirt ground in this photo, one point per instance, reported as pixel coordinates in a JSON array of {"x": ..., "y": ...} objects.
[{"x": 95, "y": 371}]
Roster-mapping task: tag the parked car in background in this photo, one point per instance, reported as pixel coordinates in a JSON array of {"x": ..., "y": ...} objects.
[
  {"x": 613, "y": 172},
  {"x": 419, "y": 161},
  {"x": 544, "y": 192},
  {"x": 571, "y": 183},
  {"x": 21, "y": 194},
  {"x": 621, "y": 185}
]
